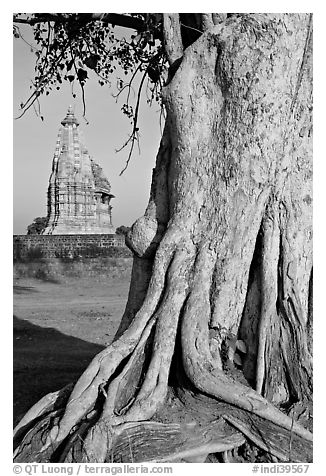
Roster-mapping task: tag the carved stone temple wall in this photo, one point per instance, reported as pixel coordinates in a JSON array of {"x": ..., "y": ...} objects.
[{"x": 79, "y": 194}]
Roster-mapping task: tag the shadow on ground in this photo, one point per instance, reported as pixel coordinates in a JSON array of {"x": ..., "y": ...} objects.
[
  {"x": 24, "y": 289},
  {"x": 44, "y": 361}
]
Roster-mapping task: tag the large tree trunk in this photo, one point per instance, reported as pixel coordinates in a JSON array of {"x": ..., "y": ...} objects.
[{"x": 214, "y": 348}]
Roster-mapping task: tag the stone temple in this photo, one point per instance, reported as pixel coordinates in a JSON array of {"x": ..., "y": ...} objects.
[{"x": 79, "y": 194}]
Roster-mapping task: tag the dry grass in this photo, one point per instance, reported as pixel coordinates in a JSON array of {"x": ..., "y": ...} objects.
[{"x": 57, "y": 270}]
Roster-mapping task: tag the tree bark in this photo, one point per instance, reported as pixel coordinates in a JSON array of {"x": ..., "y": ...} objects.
[{"x": 218, "y": 311}]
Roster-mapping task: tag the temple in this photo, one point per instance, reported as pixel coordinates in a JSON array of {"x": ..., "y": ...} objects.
[{"x": 79, "y": 194}]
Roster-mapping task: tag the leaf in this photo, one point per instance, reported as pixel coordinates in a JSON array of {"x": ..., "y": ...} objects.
[
  {"x": 69, "y": 65},
  {"x": 71, "y": 77},
  {"x": 241, "y": 346},
  {"x": 231, "y": 353},
  {"x": 91, "y": 61},
  {"x": 237, "y": 360},
  {"x": 153, "y": 74},
  {"x": 82, "y": 75}
]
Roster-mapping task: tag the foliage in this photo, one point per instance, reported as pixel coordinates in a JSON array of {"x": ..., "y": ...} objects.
[
  {"x": 122, "y": 230},
  {"x": 38, "y": 226},
  {"x": 69, "y": 46}
]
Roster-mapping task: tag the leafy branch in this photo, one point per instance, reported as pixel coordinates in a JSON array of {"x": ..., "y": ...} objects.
[{"x": 69, "y": 45}]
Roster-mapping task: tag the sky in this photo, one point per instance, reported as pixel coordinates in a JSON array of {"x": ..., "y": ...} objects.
[{"x": 34, "y": 143}]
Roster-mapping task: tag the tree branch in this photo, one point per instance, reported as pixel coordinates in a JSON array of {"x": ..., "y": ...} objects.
[
  {"x": 207, "y": 21},
  {"x": 113, "y": 18},
  {"x": 121, "y": 20},
  {"x": 172, "y": 37},
  {"x": 134, "y": 134}
]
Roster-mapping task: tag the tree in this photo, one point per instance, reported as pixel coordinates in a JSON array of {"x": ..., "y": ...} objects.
[
  {"x": 38, "y": 226},
  {"x": 122, "y": 230},
  {"x": 214, "y": 350}
]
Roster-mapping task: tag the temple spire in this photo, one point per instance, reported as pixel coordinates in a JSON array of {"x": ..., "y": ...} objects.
[
  {"x": 79, "y": 194},
  {"x": 70, "y": 117}
]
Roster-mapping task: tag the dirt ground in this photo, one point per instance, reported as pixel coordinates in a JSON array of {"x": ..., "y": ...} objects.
[{"x": 59, "y": 325}]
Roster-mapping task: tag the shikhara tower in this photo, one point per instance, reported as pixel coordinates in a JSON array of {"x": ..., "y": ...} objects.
[{"x": 79, "y": 194}]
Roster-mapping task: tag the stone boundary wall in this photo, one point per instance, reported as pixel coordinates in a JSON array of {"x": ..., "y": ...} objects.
[{"x": 37, "y": 247}]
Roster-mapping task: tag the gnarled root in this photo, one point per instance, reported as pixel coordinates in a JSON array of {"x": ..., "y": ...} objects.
[
  {"x": 207, "y": 376},
  {"x": 174, "y": 442},
  {"x": 89, "y": 430},
  {"x": 160, "y": 314}
]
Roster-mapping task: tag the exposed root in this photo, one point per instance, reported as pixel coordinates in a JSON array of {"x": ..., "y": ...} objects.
[
  {"x": 74, "y": 446},
  {"x": 106, "y": 362},
  {"x": 297, "y": 360},
  {"x": 50, "y": 402},
  {"x": 98, "y": 442},
  {"x": 119, "y": 383},
  {"x": 270, "y": 251},
  {"x": 154, "y": 387},
  {"x": 272, "y": 438},
  {"x": 186, "y": 293},
  {"x": 158, "y": 442},
  {"x": 199, "y": 365},
  {"x": 31, "y": 447}
]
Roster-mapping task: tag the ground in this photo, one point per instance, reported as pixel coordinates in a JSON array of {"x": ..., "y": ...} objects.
[{"x": 59, "y": 325}]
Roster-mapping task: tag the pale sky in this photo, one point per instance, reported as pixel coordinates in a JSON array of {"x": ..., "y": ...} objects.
[{"x": 108, "y": 128}]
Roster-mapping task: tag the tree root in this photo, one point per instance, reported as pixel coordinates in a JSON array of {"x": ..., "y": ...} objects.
[
  {"x": 158, "y": 442},
  {"x": 153, "y": 390},
  {"x": 154, "y": 387},
  {"x": 47, "y": 404},
  {"x": 270, "y": 252},
  {"x": 31, "y": 447},
  {"x": 285, "y": 445},
  {"x": 201, "y": 369},
  {"x": 113, "y": 427},
  {"x": 106, "y": 362}
]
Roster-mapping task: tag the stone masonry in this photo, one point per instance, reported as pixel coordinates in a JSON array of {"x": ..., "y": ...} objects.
[
  {"x": 79, "y": 194},
  {"x": 43, "y": 247}
]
